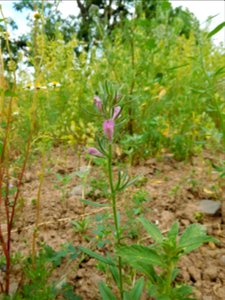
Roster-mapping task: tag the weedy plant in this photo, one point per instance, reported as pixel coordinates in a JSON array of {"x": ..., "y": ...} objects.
[
  {"x": 13, "y": 159},
  {"x": 159, "y": 260},
  {"x": 109, "y": 108}
]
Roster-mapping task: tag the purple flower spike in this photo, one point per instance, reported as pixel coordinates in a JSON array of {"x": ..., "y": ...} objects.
[
  {"x": 108, "y": 127},
  {"x": 95, "y": 152},
  {"x": 98, "y": 103},
  {"x": 116, "y": 112}
]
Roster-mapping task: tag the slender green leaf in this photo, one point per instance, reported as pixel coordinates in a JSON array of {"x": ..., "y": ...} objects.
[
  {"x": 136, "y": 292},
  {"x": 177, "y": 67},
  {"x": 106, "y": 292},
  {"x": 92, "y": 203},
  {"x": 219, "y": 71},
  {"x": 115, "y": 274},
  {"x": 216, "y": 29},
  {"x": 173, "y": 232},
  {"x": 96, "y": 255},
  {"x": 152, "y": 230}
]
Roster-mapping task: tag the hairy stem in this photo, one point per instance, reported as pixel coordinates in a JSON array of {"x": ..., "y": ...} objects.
[{"x": 116, "y": 221}]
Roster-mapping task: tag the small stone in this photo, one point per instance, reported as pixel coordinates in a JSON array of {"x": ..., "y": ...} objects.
[
  {"x": 209, "y": 207},
  {"x": 185, "y": 222},
  {"x": 194, "y": 273},
  {"x": 197, "y": 294},
  {"x": 221, "y": 292},
  {"x": 77, "y": 190},
  {"x": 212, "y": 245},
  {"x": 211, "y": 273},
  {"x": 222, "y": 260},
  {"x": 207, "y": 297},
  {"x": 28, "y": 177},
  {"x": 167, "y": 218},
  {"x": 185, "y": 275}
]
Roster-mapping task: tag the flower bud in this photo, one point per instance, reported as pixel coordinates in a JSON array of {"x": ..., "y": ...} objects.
[
  {"x": 116, "y": 112},
  {"x": 108, "y": 128},
  {"x": 98, "y": 103},
  {"x": 95, "y": 152}
]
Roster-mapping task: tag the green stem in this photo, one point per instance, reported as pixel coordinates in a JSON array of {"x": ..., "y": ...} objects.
[
  {"x": 116, "y": 222},
  {"x": 169, "y": 279}
]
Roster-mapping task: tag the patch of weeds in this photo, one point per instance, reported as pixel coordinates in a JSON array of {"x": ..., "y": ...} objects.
[
  {"x": 175, "y": 190},
  {"x": 61, "y": 183},
  {"x": 99, "y": 188},
  {"x": 38, "y": 272},
  {"x": 81, "y": 226},
  {"x": 199, "y": 216},
  {"x": 102, "y": 230},
  {"x": 164, "y": 255},
  {"x": 141, "y": 181},
  {"x": 138, "y": 199}
]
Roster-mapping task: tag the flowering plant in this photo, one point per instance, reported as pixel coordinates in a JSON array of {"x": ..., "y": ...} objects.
[{"x": 110, "y": 110}]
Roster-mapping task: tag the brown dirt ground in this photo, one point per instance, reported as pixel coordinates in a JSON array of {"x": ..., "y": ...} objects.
[{"x": 174, "y": 189}]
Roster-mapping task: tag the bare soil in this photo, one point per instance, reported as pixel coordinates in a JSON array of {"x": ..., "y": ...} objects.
[{"x": 174, "y": 191}]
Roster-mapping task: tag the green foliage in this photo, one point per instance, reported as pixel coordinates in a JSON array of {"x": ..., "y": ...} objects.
[
  {"x": 136, "y": 292},
  {"x": 165, "y": 253},
  {"x": 169, "y": 74},
  {"x": 81, "y": 226},
  {"x": 37, "y": 285}
]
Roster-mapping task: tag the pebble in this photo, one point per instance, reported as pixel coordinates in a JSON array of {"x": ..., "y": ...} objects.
[
  {"x": 167, "y": 218},
  {"x": 221, "y": 292},
  {"x": 185, "y": 275},
  {"x": 207, "y": 298},
  {"x": 211, "y": 273},
  {"x": 212, "y": 245},
  {"x": 209, "y": 207},
  {"x": 77, "y": 190},
  {"x": 222, "y": 260},
  {"x": 194, "y": 273},
  {"x": 185, "y": 222}
]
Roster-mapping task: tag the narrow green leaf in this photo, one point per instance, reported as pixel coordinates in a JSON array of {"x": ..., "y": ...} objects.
[
  {"x": 139, "y": 254},
  {"x": 106, "y": 292},
  {"x": 148, "y": 270},
  {"x": 136, "y": 292},
  {"x": 219, "y": 71},
  {"x": 96, "y": 255},
  {"x": 152, "y": 230},
  {"x": 177, "y": 67},
  {"x": 115, "y": 274},
  {"x": 173, "y": 232},
  {"x": 216, "y": 29},
  {"x": 92, "y": 203}
]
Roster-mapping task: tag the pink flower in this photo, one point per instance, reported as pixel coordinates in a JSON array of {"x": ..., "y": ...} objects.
[
  {"x": 98, "y": 103},
  {"x": 116, "y": 112},
  {"x": 108, "y": 127},
  {"x": 95, "y": 152}
]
